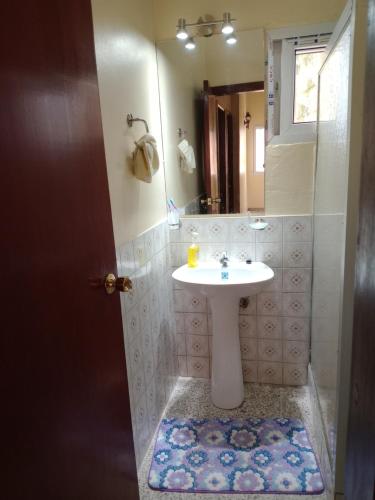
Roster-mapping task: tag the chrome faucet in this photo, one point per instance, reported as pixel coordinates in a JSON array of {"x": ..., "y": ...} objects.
[{"x": 224, "y": 259}]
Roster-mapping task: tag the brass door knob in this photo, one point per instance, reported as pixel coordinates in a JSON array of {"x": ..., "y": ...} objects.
[{"x": 111, "y": 284}]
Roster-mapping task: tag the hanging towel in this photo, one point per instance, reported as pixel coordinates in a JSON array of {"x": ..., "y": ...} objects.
[
  {"x": 187, "y": 156},
  {"x": 146, "y": 158}
]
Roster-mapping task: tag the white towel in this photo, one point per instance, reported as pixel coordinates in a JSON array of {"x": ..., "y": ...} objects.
[
  {"x": 146, "y": 158},
  {"x": 187, "y": 156}
]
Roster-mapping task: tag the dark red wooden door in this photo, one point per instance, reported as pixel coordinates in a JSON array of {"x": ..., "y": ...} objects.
[{"x": 65, "y": 418}]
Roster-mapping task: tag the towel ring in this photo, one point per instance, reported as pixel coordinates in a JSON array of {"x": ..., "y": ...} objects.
[{"x": 130, "y": 119}]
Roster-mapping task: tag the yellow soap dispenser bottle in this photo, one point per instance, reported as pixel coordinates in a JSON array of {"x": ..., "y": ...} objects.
[{"x": 193, "y": 251}]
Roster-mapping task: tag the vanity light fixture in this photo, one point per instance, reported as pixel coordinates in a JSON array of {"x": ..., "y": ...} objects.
[
  {"x": 227, "y": 27},
  {"x": 190, "y": 44},
  {"x": 206, "y": 28},
  {"x": 182, "y": 34},
  {"x": 231, "y": 39}
]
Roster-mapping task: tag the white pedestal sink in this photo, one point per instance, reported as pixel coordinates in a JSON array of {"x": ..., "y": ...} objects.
[{"x": 242, "y": 280}]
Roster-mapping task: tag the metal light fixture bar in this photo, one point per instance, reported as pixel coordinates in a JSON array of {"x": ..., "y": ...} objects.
[{"x": 208, "y": 23}]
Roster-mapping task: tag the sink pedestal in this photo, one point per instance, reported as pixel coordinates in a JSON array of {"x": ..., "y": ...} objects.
[{"x": 227, "y": 390}]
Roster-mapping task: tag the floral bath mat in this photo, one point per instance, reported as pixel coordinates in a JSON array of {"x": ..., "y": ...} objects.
[{"x": 234, "y": 456}]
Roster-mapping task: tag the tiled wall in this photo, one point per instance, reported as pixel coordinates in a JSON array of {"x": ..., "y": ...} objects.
[
  {"x": 149, "y": 331},
  {"x": 275, "y": 326}
]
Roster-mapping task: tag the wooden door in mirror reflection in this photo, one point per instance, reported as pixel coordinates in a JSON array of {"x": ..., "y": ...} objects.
[{"x": 222, "y": 144}]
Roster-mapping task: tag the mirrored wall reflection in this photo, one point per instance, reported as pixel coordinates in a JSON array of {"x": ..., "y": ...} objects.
[{"x": 212, "y": 112}]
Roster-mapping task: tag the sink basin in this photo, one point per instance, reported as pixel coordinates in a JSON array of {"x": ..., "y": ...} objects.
[{"x": 223, "y": 292}]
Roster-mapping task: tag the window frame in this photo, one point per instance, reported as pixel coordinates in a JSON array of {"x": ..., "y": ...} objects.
[
  {"x": 256, "y": 127},
  {"x": 287, "y": 130}
]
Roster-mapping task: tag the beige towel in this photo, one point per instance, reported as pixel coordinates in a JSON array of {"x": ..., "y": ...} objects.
[{"x": 146, "y": 158}]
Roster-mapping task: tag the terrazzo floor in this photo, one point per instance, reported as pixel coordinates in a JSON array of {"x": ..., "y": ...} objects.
[{"x": 191, "y": 398}]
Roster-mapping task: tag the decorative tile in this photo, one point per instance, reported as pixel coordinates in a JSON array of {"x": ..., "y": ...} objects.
[
  {"x": 296, "y": 304},
  {"x": 294, "y": 374},
  {"x": 297, "y": 254},
  {"x": 149, "y": 244},
  {"x": 297, "y": 280},
  {"x": 269, "y": 327},
  {"x": 276, "y": 285},
  {"x": 269, "y": 303},
  {"x": 132, "y": 324},
  {"x": 248, "y": 348},
  {"x": 195, "y": 303},
  {"x": 247, "y": 326},
  {"x": 241, "y": 252},
  {"x": 197, "y": 345},
  {"x": 198, "y": 367},
  {"x": 190, "y": 226},
  {"x": 270, "y": 373},
  {"x": 295, "y": 352},
  {"x": 270, "y": 350},
  {"x": 296, "y": 329},
  {"x": 250, "y": 370},
  {"x": 216, "y": 229},
  {"x": 181, "y": 345},
  {"x": 298, "y": 228},
  {"x": 139, "y": 251},
  {"x": 270, "y": 253},
  {"x": 240, "y": 230},
  {"x": 182, "y": 366},
  {"x": 273, "y": 232},
  {"x": 180, "y": 322},
  {"x": 195, "y": 323}
]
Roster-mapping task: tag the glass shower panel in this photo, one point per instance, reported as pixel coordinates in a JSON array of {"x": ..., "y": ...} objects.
[{"x": 329, "y": 229}]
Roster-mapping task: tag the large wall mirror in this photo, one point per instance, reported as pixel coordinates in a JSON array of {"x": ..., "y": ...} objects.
[{"x": 222, "y": 102}]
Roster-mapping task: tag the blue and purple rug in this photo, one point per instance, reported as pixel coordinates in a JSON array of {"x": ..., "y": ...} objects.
[{"x": 234, "y": 456}]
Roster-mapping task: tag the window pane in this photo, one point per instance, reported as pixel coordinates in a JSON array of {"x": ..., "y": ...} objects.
[
  {"x": 259, "y": 149},
  {"x": 308, "y": 63}
]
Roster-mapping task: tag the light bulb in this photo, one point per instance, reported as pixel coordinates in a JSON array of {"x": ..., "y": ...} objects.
[
  {"x": 181, "y": 34},
  {"x": 231, "y": 39},
  {"x": 227, "y": 27},
  {"x": 190, "y": 44}
]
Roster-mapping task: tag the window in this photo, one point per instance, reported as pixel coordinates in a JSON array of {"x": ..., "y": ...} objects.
[
  {"x": 259, "y": 150},
  {"x": 307, "y": 65},
  {"x": 295, "y": 56}
]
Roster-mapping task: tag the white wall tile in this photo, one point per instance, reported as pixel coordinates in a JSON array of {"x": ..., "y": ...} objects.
[
  {"x": 181, "y": 345},
  {"x": 269, "y": 303},
  {"x": 198, "y": 367},
  {"x": 270, "y": 350},
  {"x": 298, "y": 228},
  {"x": 195, "y": 323},
  {"x": 182, "y": 366},
  {"x": 250, "y": 370},
  {"x": 296, "y": 304},
  {"x": 249, "y": 348},
  {"x": 197, "y": 345},
  {"x": 297, "y": 280},
  {"x": 273, "y": 232},
  {"x": 296, "y": 329},
  {"x": 247, "y": 326},
  {"x": 269, "y": 327},
  {"x": 240, "y": 230},
  {"x": 270, "y": 253},
  {"x": 294, "y": 374},
  {"x": 270, "y": 372},
  {"x": 276, "y": 285},
  {"x": 295, "y": 352},
  {"x": 297, "y": 254}
]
